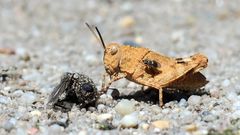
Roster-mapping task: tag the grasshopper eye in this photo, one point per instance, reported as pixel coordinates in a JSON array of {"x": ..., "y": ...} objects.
[{"x": 114, "y": 50}]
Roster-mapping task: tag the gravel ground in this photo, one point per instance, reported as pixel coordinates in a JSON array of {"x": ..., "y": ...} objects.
[{"x": 47, "y": 38}]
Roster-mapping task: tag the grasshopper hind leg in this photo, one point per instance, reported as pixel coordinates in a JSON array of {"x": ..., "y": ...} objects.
[{"x": 161, "y": 97}]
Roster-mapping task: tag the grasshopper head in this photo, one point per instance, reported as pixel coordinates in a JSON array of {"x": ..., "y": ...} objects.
[
  {"x": 112, "y": 52},
  {"x": 112, "y": 56}
]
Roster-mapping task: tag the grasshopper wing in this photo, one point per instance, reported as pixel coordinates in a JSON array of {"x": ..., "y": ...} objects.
[{"x": 189, "y": 82}]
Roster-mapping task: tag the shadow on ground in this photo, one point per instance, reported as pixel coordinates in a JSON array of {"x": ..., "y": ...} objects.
[{"x": 150, "y": 95}]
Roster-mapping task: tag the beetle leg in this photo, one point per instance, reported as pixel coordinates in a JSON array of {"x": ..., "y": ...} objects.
[{"x": 160, "y": 97}]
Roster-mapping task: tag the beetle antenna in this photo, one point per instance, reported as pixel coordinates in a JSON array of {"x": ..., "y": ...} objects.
[{"x": 98, "y": 37}]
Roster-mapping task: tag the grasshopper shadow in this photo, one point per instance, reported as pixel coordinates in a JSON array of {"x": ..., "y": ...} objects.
[{"x": 150, "y": 95}]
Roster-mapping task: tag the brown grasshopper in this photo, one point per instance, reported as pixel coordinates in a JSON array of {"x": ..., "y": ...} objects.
[{"x": 148, "y": 68}]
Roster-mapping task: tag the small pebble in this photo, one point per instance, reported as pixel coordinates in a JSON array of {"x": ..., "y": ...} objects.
[
  {"x": 91, "y": 108},
  {"x": 4, "y": 100},
  {"x": 55, "y": 129},
  {"x": 82, "y": 132},
  {"x": 9, "y": 124},
  {"x": 127, "y": 6},
  {"x": 127, "y": 21},
  {"x": 91, "y": 59},
  {"x": 105, "y": 99},
  {"x": 191, "y": 128},
  {"x": 28, "y": 98},
  {"x": 183, "y": 103},
  {"x": 165, "y": 110},
  {"x": 177, "y": 36},
  {"x": 214, "y": 93},
  {"x": 104, "y": 117},
  {"x": 226, "y": 83},
  {"x": 232, "y": 96},
  {"x": 129, "y": 121},
  {"x": 187, "y": 116},
  {"x": 101, "y": 107},
  {"x": 26, "y": 57},
  {"x": 208, "y": 116},
  {"x": 144, "y": 126},
  {"x": 132, "y": 85},
  {"x": 162, "y": 124},
  {"x": 194, "y": 100},
  {"x": 113, "y": 92},
  {"x": 7, "y": 51},
  {"x": 20, "y": 51},
  {"x": 139, "y": 40},
  {"x": 236, "y": 106},
  {"x": 21, "y": 131},
  {"x": 17, "y": 93},
  {"x": 7, "y": 88},
  {"x": 36, "y": 113},
  {"x": 125, "y": 107},
  {"x": 32, "y": 131},
  {"x": 22, "y": 111}
]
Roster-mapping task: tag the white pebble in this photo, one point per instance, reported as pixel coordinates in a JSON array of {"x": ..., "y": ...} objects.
[
  {"x": 9, "y": 125},
  {"x": 232, "y": 96},
  {"x": 103, "y": 96},
  {"x": 236, "y": 106},
  {"x": 127, "y": 6},
  {"x": 165, "y": 111},
  {"x": 187, "y": 116},
  {"x": 132, "y": 85},
  {"x": 125, "y": 107},
  {"x": 129, "y": 121},
  {"x": 226, "y": 83},
  {"x": 178, "y": 36},
  {"x": 55, "y": 129},
  {"x": 20, "y": 51},
  {"x": 183, "y": 103},
  {"x": 235, "y": 114},
  {"x": 28, "y": 98},
  {"x": 101, "y": 107},
  {"x": 194, "y": 100},
  {"x": 104, "y": 117},
  {"x": 127, "y": 22},
  {"x": 144, "y": 126},
  {"x": 7, "y": 88},
  {"x": 82, "y": 132},
  {"x": 214, "y": 93},
  {"x": 20, "y": 112},
  {"x": 36, "y": 113},
  {"x": 91, "y": 59},
  {"x": 4, "y": 100},
  {"x": 21, "y": 131},
  {"x": 17, "y": 93}
]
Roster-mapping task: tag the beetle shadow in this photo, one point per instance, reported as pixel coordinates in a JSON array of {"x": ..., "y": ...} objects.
[{"x": 151, "y": 95}]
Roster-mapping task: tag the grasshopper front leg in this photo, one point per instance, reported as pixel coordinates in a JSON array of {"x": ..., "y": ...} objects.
[{"x": 113, "y": 78}]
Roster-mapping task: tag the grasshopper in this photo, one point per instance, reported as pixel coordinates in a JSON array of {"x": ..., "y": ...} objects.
[{"x": 148, "y": 68}]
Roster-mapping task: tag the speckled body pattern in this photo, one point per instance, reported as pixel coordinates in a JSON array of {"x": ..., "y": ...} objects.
[
  {"x": 179, "y": 73},
  {"x": 73, "y": 88}
]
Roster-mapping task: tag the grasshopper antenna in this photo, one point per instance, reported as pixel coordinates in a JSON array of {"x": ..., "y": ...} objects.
[{"x": 98, "y": 37}]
